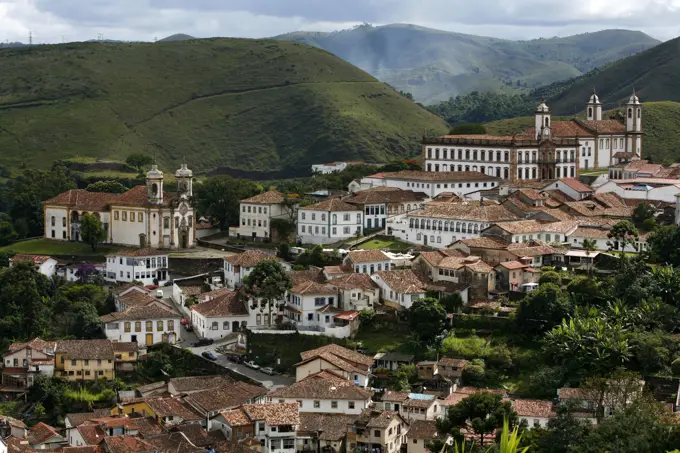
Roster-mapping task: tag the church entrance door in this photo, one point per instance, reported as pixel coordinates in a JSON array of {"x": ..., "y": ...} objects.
[
  {"x": 183, "y": 240},
  {"x": 142, "y": 240}
]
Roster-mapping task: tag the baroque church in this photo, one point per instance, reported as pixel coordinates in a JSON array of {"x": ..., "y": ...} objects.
[
  {"x": 549, "y": 150},
  {"x": 144, "y": 216}
]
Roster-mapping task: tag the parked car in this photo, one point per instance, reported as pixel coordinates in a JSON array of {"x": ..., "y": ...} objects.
[
  {"x": 203, "y": 342},
  {"x": 268, "y": 370},
  {"x": 209, "y": 355},
  {"x": 159, "y": 293},
  {"x": 253, "y": 365},
  {"x": 236, "y": 358}
]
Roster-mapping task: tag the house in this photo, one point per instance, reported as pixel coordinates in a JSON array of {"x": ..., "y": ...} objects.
[
  {"x": 123, "y": 290},
  {"x": 599, "y": 234},
  {"x": 133, "y": 298},
  {"x": 12, "y": 427},
  {"x": 84, "y": 360},
  {"x": 324, "y": 392},
  {"x": 344, "y": 362},
  {"x": 534, "y": 412},
  {"x": 427, "y": 369},
  {"x": 432, "y": 183},
  {"x": 173, "y": 411},
  {"x": 73, "y": 420},
  {"x": 319, "y": 431},
  {"x": 367, "y": 261},
  {"x": 211, "y": 402},
  {"x": 356, "y": 291},
  {"x": 81, "y": 271},
  {"x": 143, "y": 216},
  {"x": 571, "y": 187},
  {"x": 192, "y": 384},
  {"x": 144, "y": 325},
  {"x": 45, "y": 437},
  {"x": 237, "y": 267},
  {"x": 392, "y": 360},
  {"x": 494, "y": 250},
  {"x": 328, "y": 222},
  {"x": 257, "y": 213},
  {"x": 400, "y": 288},
  {"x": 440, "y": 224},
  {"x": 381, "y": 203},
  {"x": 643, "y": 189},
  {"x": 419, "y": 435},
  {"x": 518, "y": 275},
  {"x": 412, "y": 406},
  {"x": 225, "y": 314},
  {"x": 460, "y": 394},
  {"x": 134, "y": 444},
  {"x": 126, "y": 356},
  {"x": 463, "y": 273},
  {"x": 46, "y": 265},
  {"x": 381, "y": 432},
  {"x": 147, "y": 265},
  {"x": 451, "y": 368},
  {"x": 23, "y": 362},
  {"x": 528, "y": 230}
]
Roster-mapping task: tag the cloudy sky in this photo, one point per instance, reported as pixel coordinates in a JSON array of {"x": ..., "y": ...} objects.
[{"x": 52, "y": 21}]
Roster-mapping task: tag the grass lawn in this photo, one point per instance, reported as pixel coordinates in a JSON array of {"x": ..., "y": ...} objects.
[
  {"x": 45, "y": 247},
  {"x": 381, "y": 243},
  {"x": 267, "y": 349},
  {"x": 385, "y": 336}
]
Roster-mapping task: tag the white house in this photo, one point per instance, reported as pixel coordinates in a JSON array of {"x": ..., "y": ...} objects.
[
  {"x": 598, "y": 234},
  {"x": 648, "y": 189},
  {"x": 440, "y": 224},
  {"x": 329, "y": 221},
  {"x": 382, "y": 203},
  {"x": 332, "y": 167},
  {"x": 256, "y": 215},
  {"x": 367, "y": 261},
  {"x": 400, "y": 288},
  {"x": 147, "y": 265},
  {"x": 223, "y": 315},
  {"x": 144, "y": 216},
  {"x": 430, "y": 183},
  {"x": 70, "y": 271},
  {"x": 412, "y": 406},
  {"x": 343, "y": 362},
  {"x": 145, "y": 325},
  {"x": 237, "y": 267},
  {"x": 324, "y": 392},
  {"x": 529, "y": 230},
  {"x": 23, "y": 362},
  {"x": 534, "y": 412},
  {"x": 571, "y": 187},
  {"x": 356, "y": 291},
  {"x": 46, "y": 265}
]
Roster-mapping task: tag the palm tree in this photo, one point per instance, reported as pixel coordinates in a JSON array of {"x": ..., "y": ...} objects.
[
  {"x": 509, "y": 442},
  {"x": 589, "y": 245}
]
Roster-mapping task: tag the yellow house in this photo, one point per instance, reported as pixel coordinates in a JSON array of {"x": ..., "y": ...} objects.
[
  {"x": 136, "y": 406},
  {"x": 126, "y": 356},
  {"x": 84, "y": 360}
]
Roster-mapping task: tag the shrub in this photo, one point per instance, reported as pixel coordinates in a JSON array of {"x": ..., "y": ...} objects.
[
  {"x": 675, "y": 367},
  {"x": 550, "y": 277},
  {"x": 470, "y": 348}
]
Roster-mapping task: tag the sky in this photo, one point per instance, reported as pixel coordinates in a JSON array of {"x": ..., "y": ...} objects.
[{"x": 54, "y": 21}]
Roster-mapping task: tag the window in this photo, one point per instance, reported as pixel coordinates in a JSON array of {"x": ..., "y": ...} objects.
[
  {"x": 140, "y": 217},
  {"x": 63, "y": 219},
  {"x": 73, "y": 363},
  {"x": 214, "y": 325},
  {"x": 376, "y": 433},
  {"x": 171, "y": 325},
  {"x": 319, "y": 301},
  {"x": 345, "y": 230},
  {"x": 124, "y": 216},
  {"x": 317, "y": 404},
  {"x": 87, "y": 363},
  {"x": 334, "y": 404},
  {"x": 313, "y": 216},
  {"x": 225, "y": 325},
  {"x": 350, "y": 404},
  {"x": 149, "y": 326},
  {"x": 138, "y": 326},
  {"x": 115, "y": 215},
  {"x": 303, "y": 216},
  {"x": 303, "y": 228}
]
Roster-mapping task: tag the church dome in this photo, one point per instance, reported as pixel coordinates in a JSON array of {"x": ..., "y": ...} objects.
[
  {"x": 542, "y": 108},
  {"x": 184, "y": 172},
  {"x": 634, "y": 99},
  {"x": 154, "y": 172},
  {"x": 594, "y": 99}
]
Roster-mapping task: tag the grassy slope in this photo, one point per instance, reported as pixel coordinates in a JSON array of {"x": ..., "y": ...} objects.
[
  {"x": 223, "y": 103},
  {"x": 653, "y": 73},
  {"x": 434, "y": 64},
  {"x": 660, "y": 123},
  {"x": 45, "y": 247}
]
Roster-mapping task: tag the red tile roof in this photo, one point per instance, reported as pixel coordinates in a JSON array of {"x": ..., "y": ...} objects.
[
  {"x": 41, "y": 433},
  {"x": 367, "y": 256},
  {"x": 274, "y": 414},
  {"x": 534, "y": 408},
  {"x": 148, "y": 251},
  {"x": 577, "y": 185},
  {"x": 334, "y": 205},
  {"x": 343, "y": 353},
  {"x": 270, "y": 197},
  {"x": 231, "y": 304},
  {"x": 250, "y": 258},
  {"x": 35, "y": 259}
]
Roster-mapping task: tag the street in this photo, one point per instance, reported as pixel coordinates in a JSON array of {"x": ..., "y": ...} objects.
[{"x": 188, "y": 338}]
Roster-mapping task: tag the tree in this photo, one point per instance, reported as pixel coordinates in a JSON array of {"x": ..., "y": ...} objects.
[
  {"x": 663, "y": 245},
  {"x": 24, "y": 302},
  {"x": 7, "y": 233},
  {"x": 590, "y": 246},
  {"x": 542, "y": 309},
  {"x": 91, "y": 230},
  {"x": 643, "y": 211},
  {"x": 564, "y": 432},
  {"x": 474, "y": 373},
  {"x": 268, "y": 283},
  {"x": 138, "y": 160},
  {"x": 550, "y": 277},
  {"x": 426, "y": 318},
  {"x": 451, "y": 302},
  {"x": 468, "y": 129},
  {"x": 616, "y": 391},
  {"x": 106, "y": 186},
  {"x": 480, "y": 413},
  {"x": 220, "y": 196},
  {"x": 622, "y": 233}
]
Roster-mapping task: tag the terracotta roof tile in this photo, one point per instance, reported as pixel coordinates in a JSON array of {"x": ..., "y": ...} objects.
[
  {"x": 576, "y": 185},
  {"x": 465, "y": 211},
  {"x": 451, "y": 361},
  {"x": 312, "y": 288},
  {"x": 41, "y": 433},
  {"x": 237, "y": 417},
  {"x": 196, "y": 383},
  {"x": 513, "y": 265},
  {"x": 334, "y": 205},
  {"x": 485, "y": 242},
  {"x": 343, "y": 353},
  {"x": 231, "y": 304},
  {"x": 36, "y": 344},
  {"x": 148, "y": 251},
  {"x": 35, "y": 259},
  {"x": 444, "y": 176},
  {"x": 534, "y": 408},
  {"x": 127, "y": 444},
  {"x": 274, "y": 414},
  {"x": 250, "y": 258},
  {"x": 269, "y": 197},
  {"x": 354, "y": 281},
  {"x": 78, "y": 418},
  {"x": 367, "y": 256},
  {"x": 402, "y": 281},
  {"x": 137, "y": 299},
  {"x": 535, "y": 226},
  {"x": 311, "y": 275},
  {"x": 85, "y": 349},
  {"x": 82, "y": 199},
  {"x": 424, "y": 429},
  {"x": 606, "y": 126},
  {"x": 318, "y": 388},
  {"x": 138, "y": 313},
  {"x": 383, "y": 420},
  {"x": 91, "y": 434},
  {"x": 225, "y": 397},
  {"x": 563, "y": 129},
  {"x": 331, "y": 427},
  {"x": 386, "y": 197},
  {"x": 168, "y": 407}
]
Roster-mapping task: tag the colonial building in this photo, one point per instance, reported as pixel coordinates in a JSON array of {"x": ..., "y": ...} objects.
[
  {"x": 380, "y": 203},
  {"x": 367, "y": 261},
  {"x": 549, "y": 150},
  {"x": 23, "y": 362},
  {"x": 144, "y": 216},
  {"x": 328, "y": 222},
  {"x": 85, "y": 360},
  {"x": 430, "y": 183},
  {"x": 257, "y": 213},
  {"x": 237, "y": 267},
  {"x": 343, "y": 362},
  {"x": 147, "y": 265},
  {"x": 144, "y": 325},
  {"x": 225, "y": 314}
]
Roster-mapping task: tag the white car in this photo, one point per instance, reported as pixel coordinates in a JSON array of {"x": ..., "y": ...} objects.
[
  {"x": 252, "y": 365},
  {"x": 268, "y": 370}
]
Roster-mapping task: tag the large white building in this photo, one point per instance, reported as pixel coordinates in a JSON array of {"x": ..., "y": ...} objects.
[
  {"x": 227, "y": 313},
  {"x": 147, "y": 265},
  {"x": 144, "y": 216},
  {"x": 328, "y": 222},
  {"x": 145, "y": 325},
  {"x": 549, "y": 150},
  {"x": 257, "y": 213}
]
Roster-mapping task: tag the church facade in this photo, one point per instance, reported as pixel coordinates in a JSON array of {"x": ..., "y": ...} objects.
[
  {"x": 144, "y": 216},
  {"x": 549, "y": 150}
]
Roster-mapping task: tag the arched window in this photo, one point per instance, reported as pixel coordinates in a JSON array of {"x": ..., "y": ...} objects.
[
  {"x": 457, "y": 227},
  {"x": 533, "y": 173},
  {"x": 410, "y": 223},
  {"x": 519, "y": 173},
  {"x": 498, "y": 172},
  {"x": 445, "y": 167},
  {"x": 460, "y": 154},
  {"x": 429, "y": 224},
  {"x": 547, "y": 122},
  {"x": 474, "y": 168},
  {"x": 463, "y": 227},
  {"x": 422, "y": 224},
  {"x": 527, "y": 156},
  {"x": 498, "y": 156},
  {"x": 436, "y": 153},
  {"x": 507, "y": 156},
  {"x": 467, "y": 168},
  {"x": 419, "y": 236},
  {"x": 534, "y": 154},
  {"x": 467, "y": 154},
  {"x": 630, "y": 113},
  {"x": 408, "y": 207},
  {"x": 639, "y": 112},
  {"x": 476, "y": 228},
  {"x": 506, "y": 173},
  {"x": 469, "y": 228},
  {"x": 474, "y": 155},
  {"x": 460, "y": 168},
  {"x": 441, "y": 225},
  {"x": 590, "y": 111},
  {"x": 519, "y": 158},
  {"x": 482, "y": 169},
  {"x": 446, "y": 225}
]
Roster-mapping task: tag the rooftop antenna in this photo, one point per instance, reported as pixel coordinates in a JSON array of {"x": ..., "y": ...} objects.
[{"x": 30, "y": 38}]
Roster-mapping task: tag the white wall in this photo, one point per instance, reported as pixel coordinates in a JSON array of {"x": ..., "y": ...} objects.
[
  {"x": 325, "y": 406},
  {"x": 663, "y": 193},
  {"x": 130, "y": 268},
  {"x": 328, "y": 227},
  {"x": 60, "y": 226},
  {"x": 115, "y": 331},
  {"x": 204, "y": 328},
  {"x": 565, "y": 189},
  {"x": 434, "y": 237}
]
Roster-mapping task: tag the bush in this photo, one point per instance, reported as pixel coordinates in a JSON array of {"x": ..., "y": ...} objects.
[
  {"x": 470, "y": 348},
  {"x": 474, "y": 375},
  {"x": 675, "y": 367},
  {"x": 545, "y": 381},
  {"x": 550, "y": 277},
  {"x": 500, "y": 358}
]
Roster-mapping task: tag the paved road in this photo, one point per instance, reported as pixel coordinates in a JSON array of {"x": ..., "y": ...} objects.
[{"x": 188, "y": 338}]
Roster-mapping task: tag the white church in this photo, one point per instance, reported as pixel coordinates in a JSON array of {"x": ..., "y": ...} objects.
[
  {"x": 144, "y": 216},
  {"x": 549, "y": 150}
]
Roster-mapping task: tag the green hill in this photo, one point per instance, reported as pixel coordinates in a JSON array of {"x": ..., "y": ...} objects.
[
  {"x": 434, "y": 65},
  {"x": 653, "y": 74},
  {"x": 231, "y": 105},
  {"x": 660, "y": 123}
]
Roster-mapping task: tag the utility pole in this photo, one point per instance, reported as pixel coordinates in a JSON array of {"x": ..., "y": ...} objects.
[{"x": 30, "y": 38}]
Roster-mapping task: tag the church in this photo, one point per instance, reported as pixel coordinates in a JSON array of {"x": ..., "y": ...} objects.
[
  {"x": 549, "y": 150},
  {"x": 144, "y": 216}
]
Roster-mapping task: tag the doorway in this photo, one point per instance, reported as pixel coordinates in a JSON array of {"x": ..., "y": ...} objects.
[
  {"x": 142, "y": 240},
  {"x": 183, "y": 240},
  {"x": 149, "y": 339},
  {"x": 234, "y": 326},
  {"x": 133, "y": 338}
]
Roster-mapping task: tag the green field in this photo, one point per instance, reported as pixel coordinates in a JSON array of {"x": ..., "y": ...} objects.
[
  {"x": 384, "y": 242},
  {"x": 232, "y": 104},
  {"x": 45, "y": 247}
]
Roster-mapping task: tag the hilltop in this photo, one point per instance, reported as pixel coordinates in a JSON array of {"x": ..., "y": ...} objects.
[
  {"x": 245, "y": 107},
  {"x": 434, "y": 65},
  {"x": 653, "y": 74},
  {"x": 660, "y": 123}
]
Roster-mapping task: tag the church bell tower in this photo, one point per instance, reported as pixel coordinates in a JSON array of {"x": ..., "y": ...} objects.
[
  {"x": 154, "y": 185},
  {"x": 184, "y": 178}
]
